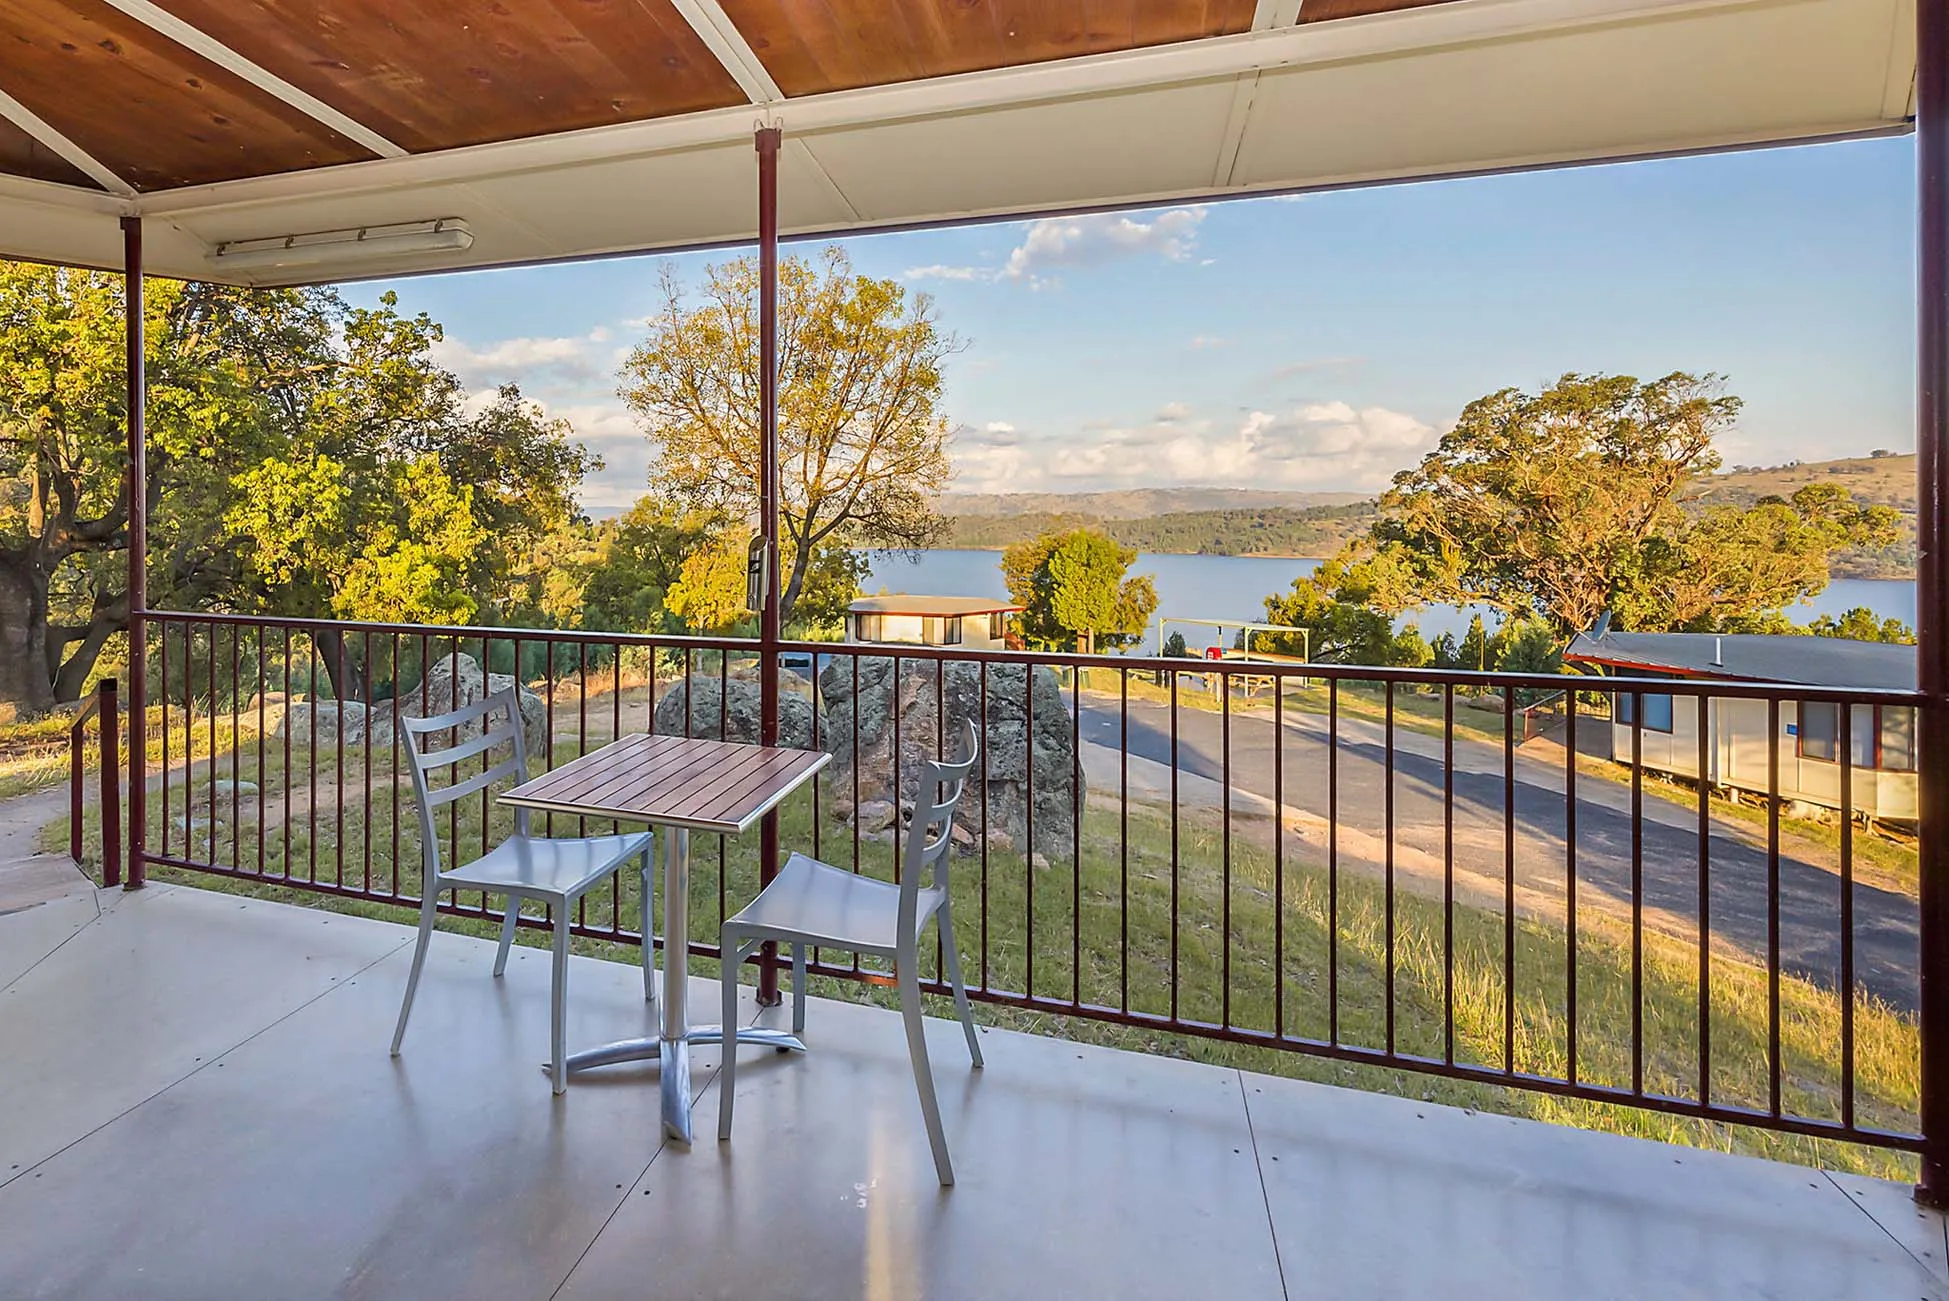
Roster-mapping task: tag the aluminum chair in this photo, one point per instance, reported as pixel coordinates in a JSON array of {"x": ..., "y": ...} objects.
[
  {"x": 811, "y": 903},
  {"x": 555, "y": 872}
]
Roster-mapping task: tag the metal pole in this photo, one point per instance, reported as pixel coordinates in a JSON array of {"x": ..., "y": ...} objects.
[
  {"x": 138, "y": 471},
  {"x": 1932, "y": 580},
  {"x": 768, "y": 503}
]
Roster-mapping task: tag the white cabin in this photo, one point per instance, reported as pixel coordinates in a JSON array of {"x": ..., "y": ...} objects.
[
  {"x": 973, "y": 622},
  {"x": 1880, "y": 737}
]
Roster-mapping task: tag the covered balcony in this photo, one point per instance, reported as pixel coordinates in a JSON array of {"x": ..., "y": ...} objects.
[{"x": 1293, "y": 979}]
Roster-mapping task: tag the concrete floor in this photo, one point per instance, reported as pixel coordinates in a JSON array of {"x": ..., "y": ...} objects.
[{"x": 196, "y": 1102}]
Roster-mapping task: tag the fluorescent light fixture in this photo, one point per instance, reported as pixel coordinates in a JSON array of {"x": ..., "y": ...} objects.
[{"x": 344, "y": 248}]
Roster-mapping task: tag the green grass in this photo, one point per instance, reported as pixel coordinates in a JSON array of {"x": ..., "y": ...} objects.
[{"x": 1129, "y": 876}]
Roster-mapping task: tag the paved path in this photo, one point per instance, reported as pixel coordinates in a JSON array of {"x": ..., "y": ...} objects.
[
  {"x": 1886, "y": 934},
  {"x": 28, "y": 877}
]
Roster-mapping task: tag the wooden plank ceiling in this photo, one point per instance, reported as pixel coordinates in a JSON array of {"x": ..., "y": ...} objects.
[
  {"x": 810, "y": 46},
  {"x": 429, "y": 75},
  {"x": 156, "y": 114}
]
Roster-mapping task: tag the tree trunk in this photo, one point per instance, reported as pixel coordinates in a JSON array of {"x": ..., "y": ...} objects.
[
  {"x": 24, "y": 680},
  {"x": 347, "y": 676}
]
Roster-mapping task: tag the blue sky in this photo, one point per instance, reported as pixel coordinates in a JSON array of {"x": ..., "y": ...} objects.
[{"x": 1325, "y": 342}]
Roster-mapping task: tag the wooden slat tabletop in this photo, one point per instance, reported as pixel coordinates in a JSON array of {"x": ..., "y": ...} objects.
[{"x": 680, "y": 781}]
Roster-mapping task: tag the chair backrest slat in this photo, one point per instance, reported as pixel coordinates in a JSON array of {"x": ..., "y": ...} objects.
[
  {"x": 499, "y": 718},
  {"x": 927, "y": 852}
]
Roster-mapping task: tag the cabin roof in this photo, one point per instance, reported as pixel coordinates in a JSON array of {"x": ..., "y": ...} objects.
[{"x": 1755, "y": 657}]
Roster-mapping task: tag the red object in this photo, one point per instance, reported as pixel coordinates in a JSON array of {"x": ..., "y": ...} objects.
[{"x": 1214, "y": 652}]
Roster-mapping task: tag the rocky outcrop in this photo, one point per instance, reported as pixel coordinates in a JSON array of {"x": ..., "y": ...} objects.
[
  {"x": 1028, "y": 749},
  {"x": 730, "y": 711},
  {"x": 450, "y": 683}
]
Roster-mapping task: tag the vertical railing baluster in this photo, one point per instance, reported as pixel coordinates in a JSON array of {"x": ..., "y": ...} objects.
[
  {"x": 1123, "y": 840},
  {"x": 1333, "y": 861},
  {"x": 1176, "y": 873},
  {"x": 1076, "y": 836},
  {"x": 1509, "y": 880},
  {"x": 162, "y": 674},
  {"x": 1705, "y": 900},
  {"x": 1847, "y": 910},
  {"x": 365, "y": 821},
  {"x": 1387, "y": 804},
  {"x": 1637, "y": 892},
  {"x": 1773, "y": 906},
  {"x": 1225, "y": 853},
  {"x": 1448, "y": 874},
  {"x": 985, "y": 825},
  {"x": 1279, "y": 855},
  {"x": 1570, "y": 887}
]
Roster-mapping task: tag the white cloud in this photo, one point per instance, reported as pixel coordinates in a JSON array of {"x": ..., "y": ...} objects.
[
  {"x": 1092, "y": 240},
  {"x": 937, "y": 271},
  {"x": 1056, "y": 242},
  {"x": 998, "y": 427},
  {"x": 530, "y": 361},
  {"x": 1205, "y": 342},
  {"x": 1320, "y": 446}
]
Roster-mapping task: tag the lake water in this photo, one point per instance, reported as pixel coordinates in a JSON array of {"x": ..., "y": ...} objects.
[{"x": 1235, "y": 587}]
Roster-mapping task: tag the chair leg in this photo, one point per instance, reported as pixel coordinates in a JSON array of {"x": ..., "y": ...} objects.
[
  {"x": 798, "y": 989},
  {"x": 512, "y": 920},
  {"x": 953, "y": 956},
  {"x": 429, "y": 910},
  {"x": 727, "y": 1072},
  {"x": 647, "y": 888},
  {"x": 558, "y": 1005},
  {"x": 907, "y": 977}
]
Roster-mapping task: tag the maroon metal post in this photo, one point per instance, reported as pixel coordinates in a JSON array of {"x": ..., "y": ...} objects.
[
  {"x": 1932, "y": 580},
  {"x": 138, "y": 390},
  {"x": 768, "y": 503},
  {"x": 111, "y": 775}
]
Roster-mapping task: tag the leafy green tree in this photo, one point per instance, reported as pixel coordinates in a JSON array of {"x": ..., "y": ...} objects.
[
  {"x": 1340, "y": 605},
  {"x": 221, "y": 366},
  {"x": 710, "y": 588},
  {"x": 862, "y": 442},
  {"x": 1570, "y": 502},
  {"x": 1175, "y": 648},
  {"x": 1529, "y": 646},
  {"x": 638, "y": 557},
  {"x": 386, "y": 500},
  {"x": 1862, "y": 624},
  {"x": 1480, "y": 649},
  {"x": 1075, "y": 589}
]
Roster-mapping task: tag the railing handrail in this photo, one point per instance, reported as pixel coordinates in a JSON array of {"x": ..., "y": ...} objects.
[{"x": 1727, "y": 688}]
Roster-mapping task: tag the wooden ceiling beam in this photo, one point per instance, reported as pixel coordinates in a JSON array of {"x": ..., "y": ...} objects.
[
  {"x": 34, "y": 125},
  {"x": 163, "y": 22}
]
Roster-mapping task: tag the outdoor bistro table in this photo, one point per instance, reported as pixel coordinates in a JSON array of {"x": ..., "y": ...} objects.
[{"x": 682, "y": 784}]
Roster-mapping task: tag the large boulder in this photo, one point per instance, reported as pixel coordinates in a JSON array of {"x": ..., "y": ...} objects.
[
  {"x": 730, "y": 711},
  {"x": 449, "y": 684},
  {"x": 323, "y": 722},
  {"x": 931, "y": 707}
]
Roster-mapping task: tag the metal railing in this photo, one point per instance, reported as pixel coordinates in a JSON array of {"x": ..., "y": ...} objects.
[
  {"x": 1346, "y": 866},
  {"x": 102, "y": 707}
]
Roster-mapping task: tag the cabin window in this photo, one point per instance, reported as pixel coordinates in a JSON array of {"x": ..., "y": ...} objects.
[
  {"x": 1820, "y": 731},
  {"x": 1657, "y": 710},
  {"x": 933, "y": 630},
  {"x": 997, "y": 626},
  {"x": 951, "y": 634},
  {"x": 866, "y": 627},
  {"x": 1896, "y": 732},
  {"x": 1880, "y": 736}
]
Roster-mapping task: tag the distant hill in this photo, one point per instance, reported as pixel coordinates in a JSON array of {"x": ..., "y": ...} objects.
[
  {"x": 1265, "y": 531},
  {"x": 1135, "y": 503},
  {"x": 1878, "y": 480}
]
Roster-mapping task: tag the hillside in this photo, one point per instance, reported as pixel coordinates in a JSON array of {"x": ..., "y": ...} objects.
[
  {"x": 1267, "y": 531},
  {"x": 1134, "y": 503},
  {"x": 1887, "y": 480}
]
